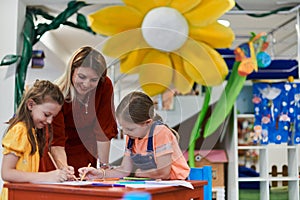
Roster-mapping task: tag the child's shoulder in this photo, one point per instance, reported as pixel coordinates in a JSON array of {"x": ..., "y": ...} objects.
[
  {"x": 17, "y": 129},
  {"x": 19, "y": 126},
  {"x": 162, "y": 128},
  {"x": 16, "y": 139},
  {"x": 163, "y": 131}
]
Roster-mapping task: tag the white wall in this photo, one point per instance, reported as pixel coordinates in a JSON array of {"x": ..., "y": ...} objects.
[
  {"x": 11, "y": 25},
  {"x": 53, "y": 68}
]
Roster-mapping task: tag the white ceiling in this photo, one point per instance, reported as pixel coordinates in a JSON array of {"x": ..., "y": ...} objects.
[{"x": 281, "y": 27}]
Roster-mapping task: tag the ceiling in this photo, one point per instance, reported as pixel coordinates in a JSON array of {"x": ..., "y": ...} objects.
[{"x": 281, "y": 27}]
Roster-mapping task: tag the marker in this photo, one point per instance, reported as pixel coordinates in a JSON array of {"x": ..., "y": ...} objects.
[
  {"x": 137, "y": 178},
  {"x": 108, "y": 185},
  {"x": 131, "y": 182}
]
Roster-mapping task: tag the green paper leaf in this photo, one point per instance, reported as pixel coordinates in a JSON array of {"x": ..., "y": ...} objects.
[
  {"x": 226, "y": 101},
  {"x": 9, "y": 59},
  {"x": 81, "y": 21}
]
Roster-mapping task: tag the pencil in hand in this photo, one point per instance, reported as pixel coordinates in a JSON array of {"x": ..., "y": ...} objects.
[
  {"x": 83, "y": 176},
  {"x": 55, "y": 165},
  {"x": 53, "y": 161},
  {"x": 65, "y": 166}
]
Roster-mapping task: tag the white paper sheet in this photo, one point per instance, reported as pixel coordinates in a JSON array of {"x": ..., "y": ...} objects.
[
  {"x": 149, "y": 184},
  {"x": 171, "y": 183},
  {"x": 145, "y": 184},
  {"x": 73, "y": 183}
]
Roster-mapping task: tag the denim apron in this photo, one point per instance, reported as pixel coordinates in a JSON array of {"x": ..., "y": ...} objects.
[{"x": 144, "y": 162}]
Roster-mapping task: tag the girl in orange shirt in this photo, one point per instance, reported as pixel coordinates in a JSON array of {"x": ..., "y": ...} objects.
[{"x": 152, "y": 149}]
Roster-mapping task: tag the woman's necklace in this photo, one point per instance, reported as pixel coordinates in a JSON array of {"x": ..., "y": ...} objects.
[{"x": 86, "y": 104}]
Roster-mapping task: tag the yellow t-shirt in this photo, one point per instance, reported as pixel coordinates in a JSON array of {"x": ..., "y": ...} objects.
[{"x": 16, "y": 141}]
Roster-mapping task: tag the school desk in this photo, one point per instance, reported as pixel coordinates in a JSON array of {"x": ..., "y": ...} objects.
[{"x": 17, "y": 191}]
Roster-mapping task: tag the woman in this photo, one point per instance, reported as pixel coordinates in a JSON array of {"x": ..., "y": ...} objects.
[{"x": 83, "y": 129}]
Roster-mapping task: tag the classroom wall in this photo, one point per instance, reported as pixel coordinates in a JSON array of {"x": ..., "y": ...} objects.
[{"x": 10, "y": 25}]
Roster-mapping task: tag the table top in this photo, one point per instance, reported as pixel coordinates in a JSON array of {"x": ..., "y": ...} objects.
[
  {"x": 89, "y": 191},
  {"x": 46, "y": 187}
]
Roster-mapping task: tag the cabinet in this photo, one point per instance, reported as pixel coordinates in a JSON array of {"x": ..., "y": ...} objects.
[{"x": 268, "y": 155}]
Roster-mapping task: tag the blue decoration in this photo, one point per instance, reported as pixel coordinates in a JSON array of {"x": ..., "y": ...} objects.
[
  {"x": 37, "y": 60},
  {"x": 277, "y": 112},
  {"x": 278, "y": 69},
  {"x": 263, "y": 59}
]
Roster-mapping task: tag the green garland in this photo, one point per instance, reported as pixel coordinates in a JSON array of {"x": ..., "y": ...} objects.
[
  {"x": 267, "y": 13},
  {"x": 32, "y": 35}
]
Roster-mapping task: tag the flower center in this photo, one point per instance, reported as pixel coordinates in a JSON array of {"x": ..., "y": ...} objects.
[{"x": 165, "y": 29}]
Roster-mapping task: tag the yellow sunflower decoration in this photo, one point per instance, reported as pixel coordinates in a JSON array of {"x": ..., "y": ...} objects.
[{"x": 169, "y": 43}]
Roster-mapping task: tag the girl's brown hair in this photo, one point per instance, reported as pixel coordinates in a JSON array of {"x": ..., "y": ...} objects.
[
  {"x": 138, "y": 107},
  {"x": 42, "y": 91}
]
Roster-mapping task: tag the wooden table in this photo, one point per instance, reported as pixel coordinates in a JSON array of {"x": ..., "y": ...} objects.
[{"x": 17, "y": 191}]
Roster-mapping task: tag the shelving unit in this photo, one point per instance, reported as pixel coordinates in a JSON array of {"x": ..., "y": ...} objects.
[{"x": 288, "y": 153}]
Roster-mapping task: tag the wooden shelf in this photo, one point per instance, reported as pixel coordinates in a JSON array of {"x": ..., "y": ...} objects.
[{"x": 265, "y": 152}]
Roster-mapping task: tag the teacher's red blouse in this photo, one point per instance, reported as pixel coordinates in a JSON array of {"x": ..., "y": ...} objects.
[{"x": 78, "y": 131}]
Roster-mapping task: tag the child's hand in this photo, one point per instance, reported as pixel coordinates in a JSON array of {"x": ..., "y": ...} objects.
[
  {"x": 56, "y": 176},
  {"x": 90, "y": 173},
  {"x": 70, "y": 173}
]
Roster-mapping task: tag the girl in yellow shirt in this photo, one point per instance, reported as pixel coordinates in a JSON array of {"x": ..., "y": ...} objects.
[{"x": 24, "y": 141}]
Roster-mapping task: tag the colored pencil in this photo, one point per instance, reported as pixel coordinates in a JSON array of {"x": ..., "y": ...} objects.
[
  {"x": 66, "y": 167},
  {"x": 84, "y": 173},
  {"x": 53, "y": 161},
  {"x": 108, "y": 184}
]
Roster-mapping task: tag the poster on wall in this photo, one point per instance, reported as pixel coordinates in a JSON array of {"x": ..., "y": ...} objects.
[{"x": 277, "y": 112}]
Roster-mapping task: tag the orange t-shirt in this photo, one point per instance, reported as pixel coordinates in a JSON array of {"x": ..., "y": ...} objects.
[{"x": 164, "y": 142}]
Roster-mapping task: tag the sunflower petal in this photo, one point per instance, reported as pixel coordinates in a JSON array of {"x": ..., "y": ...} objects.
[
  {"x": 162, "y": 2},
  {"x": 203, "y": 64},
  {"x": 123, "y": 43},
  {"x": 182, "y": 82},
  {"x": 155, "y": 73},
  {"x": 184, "y": 5},
  {"x": 216, "y": 35},
  {"x": 134, "y": 59},
  {"x": 106, "y": 21},
  {"x": 143, "y": 8},
  {"x": 208, "y": 11}
]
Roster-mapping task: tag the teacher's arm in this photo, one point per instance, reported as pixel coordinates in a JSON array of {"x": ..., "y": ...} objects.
[
  {"x": 60, "y": 156},
  {"x": 106, "y": 126}
]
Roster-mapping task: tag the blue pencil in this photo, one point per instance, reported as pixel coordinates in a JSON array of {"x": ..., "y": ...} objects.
[{"x": 108, "y": 185}]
